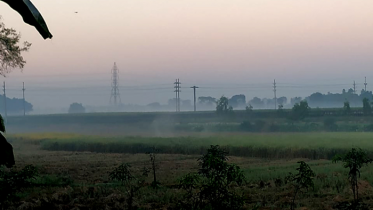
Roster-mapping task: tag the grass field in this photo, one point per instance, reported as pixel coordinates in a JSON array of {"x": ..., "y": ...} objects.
[
  {"x": 75, "y": 154},
  {"x": 260, "y": 145},
  {"x": 89, "y": 171}
]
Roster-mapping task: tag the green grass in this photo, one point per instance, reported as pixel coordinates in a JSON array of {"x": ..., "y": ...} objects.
[{"x": 273, "y": 145}]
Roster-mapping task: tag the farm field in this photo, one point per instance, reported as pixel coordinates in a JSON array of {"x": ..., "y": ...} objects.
[
  {"x": 81, "y": 176},
  {"x": 74, "y": 160}
]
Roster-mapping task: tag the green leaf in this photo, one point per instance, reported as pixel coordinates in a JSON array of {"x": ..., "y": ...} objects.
[{"x": 30, "y": 15}]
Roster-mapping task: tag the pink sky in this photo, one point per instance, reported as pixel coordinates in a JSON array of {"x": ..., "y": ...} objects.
[{"x": 200, "y": 42}]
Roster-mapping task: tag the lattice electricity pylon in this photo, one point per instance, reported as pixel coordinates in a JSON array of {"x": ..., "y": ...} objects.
[{"x": 115, "y": 96}]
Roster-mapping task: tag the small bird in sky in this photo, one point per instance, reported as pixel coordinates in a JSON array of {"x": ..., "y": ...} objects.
[{"x": 76, "y": 12}]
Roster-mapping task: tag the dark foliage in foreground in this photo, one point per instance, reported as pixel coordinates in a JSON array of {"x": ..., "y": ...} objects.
[{"x": 214, "y": 186}]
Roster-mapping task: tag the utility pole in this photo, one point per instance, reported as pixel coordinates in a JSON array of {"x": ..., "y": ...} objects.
[
  {"x": 177, "y": 91},
  {"x": 115, "y": 86},
  {"x": 194, "y": 89},
  {"x": 274, "y": 90},
  {"x": 24, "y": 107},
  {"x": 354, "y": 87},
  {"x": 365, "y": 84},
  {"x": 6, "y": 115}
]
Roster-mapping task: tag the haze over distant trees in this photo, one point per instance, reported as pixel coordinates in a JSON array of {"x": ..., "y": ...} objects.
[
  {"x": 345, "y": 99},
  {"x": 76, "y": 108},
  {"x": 14, "y": 105}
]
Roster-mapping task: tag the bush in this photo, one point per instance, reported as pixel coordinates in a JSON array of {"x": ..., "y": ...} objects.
[
  {"x": 301, "y": 181},
  {"x": 14, "y": 181},
  {"x": 354, "y": 160},
  {"x": 246, "y": 126},
  {"x": 259, "y": 125},
  {"x": 212, "y": 187},
  {"x": 131, "y": 184},
  {"x": 274, "y": 128},
  {"x": 329, "y": 124}
]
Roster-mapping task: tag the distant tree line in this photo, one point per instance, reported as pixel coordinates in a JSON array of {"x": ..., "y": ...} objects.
[{"x": 14, "y": 105}]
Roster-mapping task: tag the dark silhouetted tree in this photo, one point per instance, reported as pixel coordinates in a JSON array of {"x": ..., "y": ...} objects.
[
  {"x": 237, "y": 101},
  {"x": 346, "y": 107},
  {"x": 367, "y": 108},
  {"x": 10, "y": 50},
  {"x": 76, "y": 108},
  {"x": 300, "y": 111},
  {"x": 222, "y": 106},
  {"x": 354, "y": 160}
]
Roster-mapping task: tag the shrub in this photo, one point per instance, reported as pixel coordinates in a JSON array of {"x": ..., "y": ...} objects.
[
  {"x": 14, "y": 181},
  {"x": 212, "y": 187},
  {"x": 301, "y": 181},
  {"x": 329, "y": 124},
  {"x": 130, "y": 183},
  {"x": 246, "y": 126},
  {"x": 259, "y": 125},
  {"x": 354, "y": 160}
]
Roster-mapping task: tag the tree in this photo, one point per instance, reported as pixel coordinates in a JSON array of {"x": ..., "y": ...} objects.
[
  {"x": 6, "y": 149},
  {"x": 237, "y": 101},
  {"x": 206, "y": 100},
  {"x": 346, "y": 107},
  {"x": 131, "y": 184},
  {"x": 367, "y": 109},
  {"x": 282, "y": 100},
  {"x": 300, "y": 111},
  {"x": 301, "y": 181},
  {"x": 76, "y": 108},
  {"x": 222, "y": 105},
  {"x": 212, "y": 187},
  {"x": 295, "y": 100},
  {"x": 256, "y": 102},
  {"x": 354, "y": 160},
  {"x": 154, "y": 105},
  {"x": 10, "y": 50},
  {"x": 30, "y": 15},
  {"x": 249, "y": 108}
]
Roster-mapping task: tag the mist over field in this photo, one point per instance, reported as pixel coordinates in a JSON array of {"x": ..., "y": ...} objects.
[
  {"x": 225, "y": 48},
  {"x": 186, "y": 105}
]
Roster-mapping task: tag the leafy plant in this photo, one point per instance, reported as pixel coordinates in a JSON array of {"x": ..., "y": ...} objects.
[
  {"x": 300, "y": 111},
  {"x": 367, "y": 108},
  {"x": 354, "y": 160},
  {"x": 301, "y": 181},
  {"x": 14, "y": 181},
  {"x": 131, "y": 184},
  {"x": 122, "y": 173},
  {"x": 222, "y": 106},
  {"x": 346, "y": 107},
  {"x": 213, "y": 186},
  {"x": 152, "y": 156},
  {"x": 330, "y": 124}
]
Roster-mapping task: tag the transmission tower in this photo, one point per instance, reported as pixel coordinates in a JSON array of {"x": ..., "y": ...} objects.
[
  {"x": 365, "y": 84},
  {"x": 274, "y": 91},
  {"x": 177, "y": 91},
  {"x": 115, "y": 96},
  {"x": 354, "y": 87}
]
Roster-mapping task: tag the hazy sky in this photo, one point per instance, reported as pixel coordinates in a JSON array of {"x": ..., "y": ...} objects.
[{"x": 224, "y": 46}]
